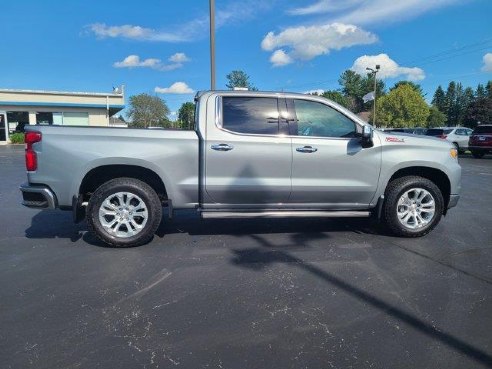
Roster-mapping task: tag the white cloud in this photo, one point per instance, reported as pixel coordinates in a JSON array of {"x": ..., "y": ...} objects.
[
  {"x": 279, "y": 58},
  {"x": 323, "y": 6},
  {"x": 134, "y": 61},
  {"x": 389, "y": 68},
  {"x": 305, "y": 43},
  {"x": 487, "y": 63},
  {"x": 369, "y": 12},
  {"x": 233, "y": 13},
  {"x": 129, "y": 31},
  {"x": 175, "y": 88},
  {"x": 179, "y": 58},
  {"x": 314, "y": 92}
]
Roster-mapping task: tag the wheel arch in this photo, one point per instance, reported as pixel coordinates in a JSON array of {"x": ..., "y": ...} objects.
[
  {"x": 101, "y": 174},
  {"x": 435, "y": 175}
]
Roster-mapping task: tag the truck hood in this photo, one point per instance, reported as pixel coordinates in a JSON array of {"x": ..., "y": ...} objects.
[{"x": 400, "y": 138}]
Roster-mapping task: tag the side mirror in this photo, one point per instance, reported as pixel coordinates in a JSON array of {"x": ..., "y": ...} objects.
[{"x": 367, "y": 133}]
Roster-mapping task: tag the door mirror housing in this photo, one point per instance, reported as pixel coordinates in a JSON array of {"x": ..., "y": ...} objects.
[{"x": 366, "y": 136}]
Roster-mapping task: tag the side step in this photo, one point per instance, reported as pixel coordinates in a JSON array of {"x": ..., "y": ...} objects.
[{"x": 283, "y": 214}]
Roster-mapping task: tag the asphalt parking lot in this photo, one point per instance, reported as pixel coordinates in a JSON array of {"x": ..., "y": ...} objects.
[{"x": 310, "y": 293}]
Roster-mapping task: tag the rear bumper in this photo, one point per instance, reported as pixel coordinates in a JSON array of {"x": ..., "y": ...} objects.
[
  {"x": 38, "y": 196},
  {"x": 453, "y": 201}
]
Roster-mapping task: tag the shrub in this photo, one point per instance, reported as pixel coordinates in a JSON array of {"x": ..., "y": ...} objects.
[{"x": 17, "y": 138}]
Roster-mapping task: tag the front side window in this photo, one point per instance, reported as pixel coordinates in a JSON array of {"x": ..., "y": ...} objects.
[
  {"x": 253, "y": 115},
  {"x": 319, "y": 120}
]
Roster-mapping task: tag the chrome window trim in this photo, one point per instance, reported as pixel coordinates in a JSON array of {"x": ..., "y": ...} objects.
[{"x": 219, "y": 122}]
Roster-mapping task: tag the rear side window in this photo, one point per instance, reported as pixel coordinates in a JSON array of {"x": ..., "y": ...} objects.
[
  {"x": 319, "y": 120},
  {"x": 253, "y": 115},
  {"x": 482, "y": 130}
]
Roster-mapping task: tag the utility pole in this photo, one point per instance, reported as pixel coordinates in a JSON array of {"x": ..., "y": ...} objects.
[
  {"x": 212, "y": 44},
  {"x": 374, "y": 72}
]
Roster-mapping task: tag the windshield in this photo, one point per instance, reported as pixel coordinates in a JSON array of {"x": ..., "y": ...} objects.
[{"x": 482, "y": 129}]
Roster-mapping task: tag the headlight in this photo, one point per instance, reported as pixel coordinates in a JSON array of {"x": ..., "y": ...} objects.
[{"x": 454, "y": 153}]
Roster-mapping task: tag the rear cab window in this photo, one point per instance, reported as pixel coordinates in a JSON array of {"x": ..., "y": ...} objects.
[{"x": 250, "y": 115}]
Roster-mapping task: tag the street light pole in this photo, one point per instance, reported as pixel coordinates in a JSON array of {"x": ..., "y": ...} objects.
[
  {"x": 212, "y": 44},
  {"x": 374, "y": 71}
]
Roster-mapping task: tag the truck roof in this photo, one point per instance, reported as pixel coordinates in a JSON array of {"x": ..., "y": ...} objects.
[{"x": 246, "y": 92}]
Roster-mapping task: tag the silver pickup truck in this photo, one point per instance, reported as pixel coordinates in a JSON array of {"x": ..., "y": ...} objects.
[{"x": 252, "y": 154}]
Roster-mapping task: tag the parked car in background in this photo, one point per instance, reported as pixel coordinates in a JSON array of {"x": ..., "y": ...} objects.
[
  {"x": 458, "y": 136},
  {"x": 480, "y": 142}
]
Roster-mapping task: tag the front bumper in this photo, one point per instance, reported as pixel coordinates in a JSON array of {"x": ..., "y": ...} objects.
[
  {"x": 38, "y": 196},
  {"x": 453, "y": 201}
]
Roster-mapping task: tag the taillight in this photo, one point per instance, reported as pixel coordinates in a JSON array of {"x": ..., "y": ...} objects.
[{"x": 30, "y": 138}]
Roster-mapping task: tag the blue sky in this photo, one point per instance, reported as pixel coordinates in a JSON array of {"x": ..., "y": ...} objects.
[{"x": 162, "y": 47}]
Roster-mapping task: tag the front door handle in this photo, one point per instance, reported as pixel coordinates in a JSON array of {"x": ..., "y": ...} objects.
[
  {"x": 222, "y": 147},
  {"x": 308, "y": 149}
]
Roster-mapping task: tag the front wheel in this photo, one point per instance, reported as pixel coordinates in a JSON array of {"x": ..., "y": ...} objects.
[
  {"x": 413, "y": 206},
  {"x": 124, "y": 212},
  {"x": 457, "y": 147}
]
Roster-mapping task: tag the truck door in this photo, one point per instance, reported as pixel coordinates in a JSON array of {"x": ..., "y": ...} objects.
[
  {"x": 247, "y": 159},
  {"x": 329, "y": 165}
]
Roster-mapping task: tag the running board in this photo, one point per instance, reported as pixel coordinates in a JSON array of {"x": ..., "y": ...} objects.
[{"x": 283, "y": 214}]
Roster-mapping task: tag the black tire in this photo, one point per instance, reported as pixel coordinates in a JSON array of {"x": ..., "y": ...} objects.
[
  {"x": 477, "y": 154},
  {"x": 460, "y": 151},
  {"x": 395, "y": 190},
  {"x": 134, "y": 187}
]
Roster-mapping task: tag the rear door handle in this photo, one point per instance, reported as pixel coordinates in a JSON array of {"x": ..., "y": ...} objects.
[
  {"x": 222, "y": 147},
  {"x": 307, "y": 149}
]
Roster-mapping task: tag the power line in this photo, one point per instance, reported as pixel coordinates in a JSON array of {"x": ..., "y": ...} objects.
[
  {"x": 434, "y": 58},
  {"x": 450, "y": 51}
]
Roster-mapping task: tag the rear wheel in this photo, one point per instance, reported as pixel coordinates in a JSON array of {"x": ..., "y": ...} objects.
[
  {"x": 124, "y": 212},
  {"x": 477, "y": 154},
  {"x": 413, "y": 206}
]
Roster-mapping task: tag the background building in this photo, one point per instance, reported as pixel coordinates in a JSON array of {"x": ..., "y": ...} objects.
[{"x": 21, "y": 107}]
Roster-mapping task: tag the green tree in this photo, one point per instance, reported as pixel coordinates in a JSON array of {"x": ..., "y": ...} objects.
[
  {"x": 148, "y": 111},
  {"x": 186, "y": 115},
  {"x": 337, "y": 97},
  {"x": 402, "y": 107},
  {"x": 464, "y": 100},
  {"x": 488, "y": 88},
  {"x": 436, "y": 117},
  {"x": 480, "y": 92},
  {"x": 451, "y": 96},
  {"x": 368, "y": 86},
  {"x": 354, "y": 87},
  {"x": 479, "y": 111},
  {"x": 414, "y": 85},
  {"x": 439, "y": 100},
  {"x": 238, "y": 78}
]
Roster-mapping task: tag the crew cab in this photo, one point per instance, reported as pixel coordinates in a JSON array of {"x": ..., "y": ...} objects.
[{"x": 251, "y": 154}]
